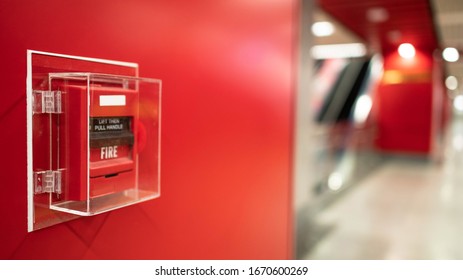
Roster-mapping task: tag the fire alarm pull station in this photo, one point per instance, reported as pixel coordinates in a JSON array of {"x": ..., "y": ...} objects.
[{"x": 93, "y": 137}]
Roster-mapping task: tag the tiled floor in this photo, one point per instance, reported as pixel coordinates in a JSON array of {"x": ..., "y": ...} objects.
[{"x": 406, "y": 209}]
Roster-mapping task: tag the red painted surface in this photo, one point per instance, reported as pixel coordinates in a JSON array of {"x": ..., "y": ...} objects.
[
  {"x": 228, "y": 78},
  {"x": 405, "y": 109}
]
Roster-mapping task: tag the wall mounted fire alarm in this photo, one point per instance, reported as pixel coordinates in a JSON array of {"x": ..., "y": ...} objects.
[{"x": 93, "y": 137}]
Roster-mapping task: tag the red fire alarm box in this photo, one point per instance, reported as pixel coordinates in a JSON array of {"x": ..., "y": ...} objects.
[{"x": 95, "y": 143}]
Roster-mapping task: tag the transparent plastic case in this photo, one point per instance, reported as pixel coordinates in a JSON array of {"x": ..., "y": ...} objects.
[{"x": 95, "y": 144}]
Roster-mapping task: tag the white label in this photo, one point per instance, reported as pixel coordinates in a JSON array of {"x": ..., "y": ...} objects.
[
  {"x": 108, "y": 152},
  {"x": 112, "y": 100}
]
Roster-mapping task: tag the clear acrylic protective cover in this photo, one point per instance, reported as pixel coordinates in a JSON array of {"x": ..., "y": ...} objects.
[{"x": 95, "y": 144}]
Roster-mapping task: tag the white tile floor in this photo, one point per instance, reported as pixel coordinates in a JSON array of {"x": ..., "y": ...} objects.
[{"x": 406, "y": 209}]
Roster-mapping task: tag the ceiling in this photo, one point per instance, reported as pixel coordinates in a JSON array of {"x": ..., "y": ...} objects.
[
  {"x": 430, "y": 25},
  {"x": 341, "y": 34},
  {"x": 448, "y": 16}
]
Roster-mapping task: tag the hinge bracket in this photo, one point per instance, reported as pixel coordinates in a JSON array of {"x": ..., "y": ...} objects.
[
  {"x": 48, "y": 181},
  {"x": 46, "y": 101}
]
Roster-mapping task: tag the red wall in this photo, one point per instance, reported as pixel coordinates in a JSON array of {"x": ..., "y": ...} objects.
[
  {"x": 228, "y": 85},
  {"x": 405, "y": 102}
]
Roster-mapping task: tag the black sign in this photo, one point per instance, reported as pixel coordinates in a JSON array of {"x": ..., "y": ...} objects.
[
  {"x": 110, "y": 131},
  {"x": 107, "y": 124}
]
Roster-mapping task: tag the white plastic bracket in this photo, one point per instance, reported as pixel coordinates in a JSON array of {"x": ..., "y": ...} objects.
[
  {"x": 45, "y": 101},
  {"x": 48, "y": 181}
]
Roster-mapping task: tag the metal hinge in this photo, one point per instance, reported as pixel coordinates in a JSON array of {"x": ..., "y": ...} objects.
[
  {"x": 48, "y": 181},
  {"x": 46, "y": 101}
]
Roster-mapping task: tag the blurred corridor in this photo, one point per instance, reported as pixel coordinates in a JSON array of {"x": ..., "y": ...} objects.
[{"x": 407, "y": 208}]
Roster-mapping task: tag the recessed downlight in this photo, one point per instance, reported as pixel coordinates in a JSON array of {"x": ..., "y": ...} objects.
[
  {"x": 451, "y": 83},
  {"x": 377, "y": 15},
  {"x": 322, "y": 28},
  {"x": 458, "y": 103},
  {"x": 407, "y": 51},
  {"x": 451, "y": 54}
]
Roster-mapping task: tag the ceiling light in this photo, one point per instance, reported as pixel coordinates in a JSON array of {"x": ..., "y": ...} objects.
[
  {"x": 394, "y": 36},
  {"x": 451, "y": 83},
  {"x": 451, "y": 54},
  {"x": 458, "y": 103},
  {"x": 338, "y": 51},
  {"x": 377, "y": 15},
  {"x": 322, "y": 29},
  {"x": 407, "y": 51}
]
